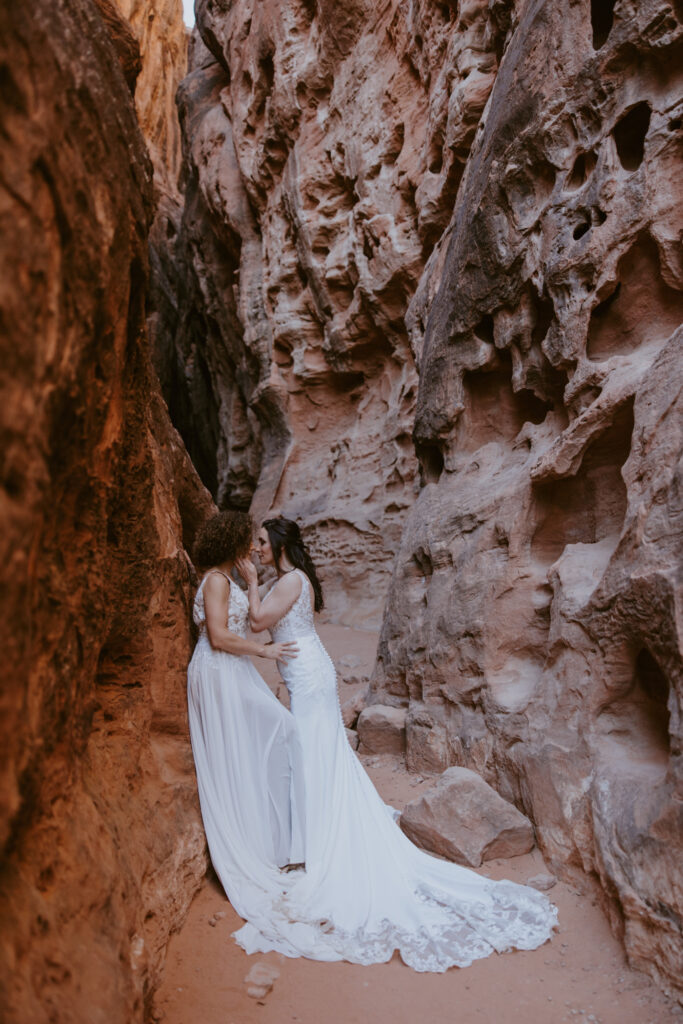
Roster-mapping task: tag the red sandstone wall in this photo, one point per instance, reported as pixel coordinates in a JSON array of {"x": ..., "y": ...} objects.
[{"x": 101, "y": 837}]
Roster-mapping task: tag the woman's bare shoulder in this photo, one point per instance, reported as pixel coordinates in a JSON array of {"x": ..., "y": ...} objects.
[
  {"x": 289, "y": 585},
  {"x": 216, "y": 583}
]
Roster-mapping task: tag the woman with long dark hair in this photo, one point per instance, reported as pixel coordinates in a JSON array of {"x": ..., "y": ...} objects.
[
  {"x": 366, "y": 889},
  {"x": 244, "y": 741}
]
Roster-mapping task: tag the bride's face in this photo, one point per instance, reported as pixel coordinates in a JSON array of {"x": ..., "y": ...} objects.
[{"x": 263, "y": 548}]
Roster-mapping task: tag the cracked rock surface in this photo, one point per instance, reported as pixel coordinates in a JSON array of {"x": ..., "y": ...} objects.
[{"x": 533, "y": 625}]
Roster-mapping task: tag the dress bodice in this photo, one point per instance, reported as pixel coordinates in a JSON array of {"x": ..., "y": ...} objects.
[
  {"x": 298, "y": 621},
  {"x": 238, "y": 609}
]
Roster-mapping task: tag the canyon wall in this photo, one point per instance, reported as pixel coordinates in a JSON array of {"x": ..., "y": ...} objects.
[
  {"x": 102, "y": 843},
  {"x": 321, "y": 165},
  {"x": 533, "y": 624},
  {"x": 487, "y": 193}
]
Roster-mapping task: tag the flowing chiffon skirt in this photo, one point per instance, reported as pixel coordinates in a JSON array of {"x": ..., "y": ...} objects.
[
  {"x": 367, "y": 890},
  {"x": 249, "y": 774}
]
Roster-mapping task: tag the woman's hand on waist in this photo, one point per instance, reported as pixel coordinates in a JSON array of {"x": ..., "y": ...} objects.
[{"x": 285, "y": 650}]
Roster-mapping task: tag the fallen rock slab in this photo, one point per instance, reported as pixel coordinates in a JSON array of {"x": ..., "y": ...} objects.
[
  {"x": 542, "y": 882},
  {"x": 464, "y": 819},
  {"x": 382, "y": 730}
]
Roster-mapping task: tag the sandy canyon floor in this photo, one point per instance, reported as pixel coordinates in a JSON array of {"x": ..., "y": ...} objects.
[{"x": 580, "y": 976}]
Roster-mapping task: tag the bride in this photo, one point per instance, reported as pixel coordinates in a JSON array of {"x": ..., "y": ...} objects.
[
  {"x": 366, "y": 889},
  {"x": 244, "y": 741}
]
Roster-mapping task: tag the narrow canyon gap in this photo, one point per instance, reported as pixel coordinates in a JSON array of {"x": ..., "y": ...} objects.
[{"x": 416, "y": 281}]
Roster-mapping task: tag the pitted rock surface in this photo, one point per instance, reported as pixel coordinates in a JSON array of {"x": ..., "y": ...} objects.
[
  {"x": 531, "y": 626},
  {"x": 324, "y": 144}
]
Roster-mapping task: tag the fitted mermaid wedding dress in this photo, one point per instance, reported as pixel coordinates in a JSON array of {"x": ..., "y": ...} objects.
[
  {"x": 367, "y": 890},
  {"x": 247, "y": 759}
]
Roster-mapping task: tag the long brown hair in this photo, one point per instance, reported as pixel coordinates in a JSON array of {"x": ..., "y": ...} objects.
[{"x": 285, "y": 535}]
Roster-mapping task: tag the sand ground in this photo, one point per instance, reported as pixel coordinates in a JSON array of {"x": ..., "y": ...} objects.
[{"x": 580, "y": 976}]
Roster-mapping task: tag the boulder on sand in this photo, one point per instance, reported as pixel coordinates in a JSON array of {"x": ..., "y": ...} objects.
[
  {"x": 464, "y": 819},
  {"x": 382, "y": 730}
]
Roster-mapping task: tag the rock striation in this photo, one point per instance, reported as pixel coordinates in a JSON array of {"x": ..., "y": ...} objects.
[
  {"x": 102, "y": 844},
  {"x": 162, "y": 38},
  {"x": 324, "y": 145},
  {"x": 533, "y": 627}
]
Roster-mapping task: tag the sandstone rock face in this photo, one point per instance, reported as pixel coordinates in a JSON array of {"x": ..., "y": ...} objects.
[
  {"x": 464, "y": 819},
  {"x": 102, "y": 842},
  {"x": 324, "y": 144},
  {"x": 533, "y": 623},
  {"x": 382, "y": 730},
  {"x": 162, "y": 40}
]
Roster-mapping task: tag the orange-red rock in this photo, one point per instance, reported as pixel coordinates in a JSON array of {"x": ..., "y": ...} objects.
[{"x": 102, "y": 843}]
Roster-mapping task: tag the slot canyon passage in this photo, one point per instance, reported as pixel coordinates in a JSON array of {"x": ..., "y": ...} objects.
[{"x": 410, "y": 273}]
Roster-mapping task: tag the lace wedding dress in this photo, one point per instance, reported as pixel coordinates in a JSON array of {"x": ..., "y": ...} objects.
[
  {"x": 367, "y": 890},
  {"x": 247, "y": 759}
]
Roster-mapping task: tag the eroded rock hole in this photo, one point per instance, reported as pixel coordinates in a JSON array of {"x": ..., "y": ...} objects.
[
  {"x": 581, "y": 229},
  {"x": 590, "y": 506},
  {"x": 423, "y": 562},
  {"x": 544, "y": 314},
  {"x": 430, "y": 458},
  {"x": 629, "y": 135},
  {"x": 484, "y": 329},
  {"x": 435, "y": 163},
  {"x": 640, "y": 309},
  {"x": 639, "y": 718},
  {"x": 268, "y": 70},
  {"x": 309, "y": 9},
  {"x": 493, "y": 411},
  {"x": 602, "y": 17},
  {"x": 584, "y": 165}
]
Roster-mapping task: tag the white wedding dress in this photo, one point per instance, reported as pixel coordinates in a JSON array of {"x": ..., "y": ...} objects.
[
  {"x": 247, "y": 759},
  {"x": 367, "y": 890}
]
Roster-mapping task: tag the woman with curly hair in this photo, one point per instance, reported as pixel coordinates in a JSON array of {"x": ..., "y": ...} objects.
[
  {"x": 367, "y": 890},
  {"x": 244, "y": 741}
]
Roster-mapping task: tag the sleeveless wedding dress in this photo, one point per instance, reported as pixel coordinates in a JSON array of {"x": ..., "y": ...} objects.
[
  {"x": 247, "y": 759},
  {"x": 367, "y": 890}
]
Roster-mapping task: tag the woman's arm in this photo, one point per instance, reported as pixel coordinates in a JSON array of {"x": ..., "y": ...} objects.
[
  {"x": 216, "y": 602},
  {"x": 263, "y": 615}
]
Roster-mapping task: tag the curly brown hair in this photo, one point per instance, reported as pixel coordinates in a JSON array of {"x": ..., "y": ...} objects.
[{"x": 223, "y": 538}]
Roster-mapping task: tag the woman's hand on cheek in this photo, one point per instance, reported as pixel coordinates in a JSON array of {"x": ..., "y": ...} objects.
[{"x": 247, "y": 570}]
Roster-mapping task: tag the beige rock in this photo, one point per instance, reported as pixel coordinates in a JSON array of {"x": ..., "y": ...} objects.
[
  {"x": 324, "y": 147},
  {"x": 464, "y": 819},
  {"x": 353, "y": 707},
  {"x": 162, "y": 39},
  {"x": 382, "y": 730},
  {"x": 532, "y": 608},
  {"x": 352, "y": 737},
  {"x": 542, "y": 882}
]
